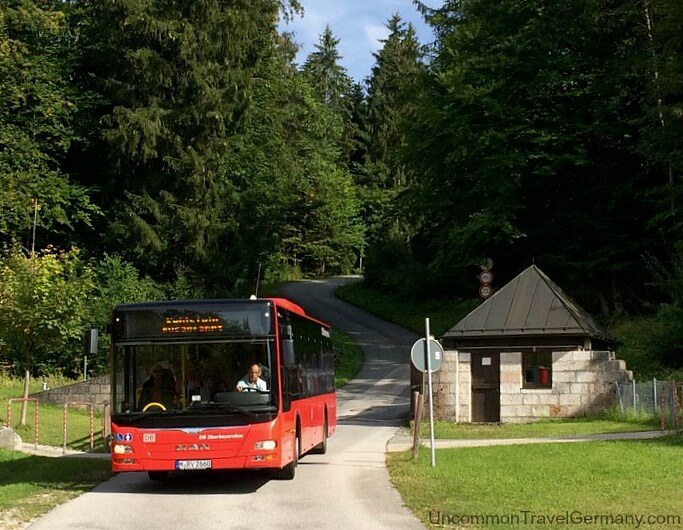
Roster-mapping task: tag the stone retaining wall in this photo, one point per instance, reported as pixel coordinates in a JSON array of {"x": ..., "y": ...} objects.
[{"x": 95, "y": 391}]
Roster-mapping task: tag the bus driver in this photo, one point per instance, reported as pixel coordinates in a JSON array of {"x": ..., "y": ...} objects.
[{"x": 253, "y": 380}]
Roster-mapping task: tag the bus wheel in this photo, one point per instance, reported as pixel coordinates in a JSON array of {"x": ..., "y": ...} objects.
[
  {"x": 288, "y": 472},
  {"x": 157, "y": 475},
  {"x": 321, "y": 448}
]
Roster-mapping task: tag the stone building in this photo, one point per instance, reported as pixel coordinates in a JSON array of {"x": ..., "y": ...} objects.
[{"x": 527, "y": 352}]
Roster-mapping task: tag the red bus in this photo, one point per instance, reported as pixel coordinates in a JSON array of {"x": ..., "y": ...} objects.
[{"x": 219, "y": 384}]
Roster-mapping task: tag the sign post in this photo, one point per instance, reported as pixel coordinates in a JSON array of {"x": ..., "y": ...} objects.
[
  {"x": 428, "y": 362},
  {"x": 427, "y": 356}
]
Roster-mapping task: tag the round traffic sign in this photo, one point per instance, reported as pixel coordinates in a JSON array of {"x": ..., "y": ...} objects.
[
  {"x": 485, "y": 290},
  {"x": 486, "y": 277},
  {"x": 486, "y": 264},
  {"x": 417, "y": 355}
]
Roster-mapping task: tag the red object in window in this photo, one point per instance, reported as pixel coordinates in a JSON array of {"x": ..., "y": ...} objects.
[{"x": 543, "y": 375}]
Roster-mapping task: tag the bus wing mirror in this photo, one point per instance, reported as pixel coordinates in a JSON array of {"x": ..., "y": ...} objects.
[
  {"x": 286, "y": 392},
  {"x": 90, "y": 338},
  {"x": 288, "y": 352}
]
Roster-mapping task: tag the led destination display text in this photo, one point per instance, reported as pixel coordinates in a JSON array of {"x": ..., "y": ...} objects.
[
  {"x": 182, "y": 320},
  {"x": 185, "y": 324}
]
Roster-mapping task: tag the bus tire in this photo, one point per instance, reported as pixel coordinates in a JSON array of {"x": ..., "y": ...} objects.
[
  {"x": 288, "y": 472},
  {"x": 157, "y": 475},
  {"x": 321, "y": 448}
]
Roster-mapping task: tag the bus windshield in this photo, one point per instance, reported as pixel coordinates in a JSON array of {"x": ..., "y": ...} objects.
[{"x": 165, "y": 378}]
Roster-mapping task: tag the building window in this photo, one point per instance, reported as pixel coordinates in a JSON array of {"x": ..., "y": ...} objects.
[{"x": 537, "y": 369}]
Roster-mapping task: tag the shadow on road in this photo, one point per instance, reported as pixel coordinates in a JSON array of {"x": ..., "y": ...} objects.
[
  {"x": 195, "y": 483},
  {"x": 393, "y": 414}
]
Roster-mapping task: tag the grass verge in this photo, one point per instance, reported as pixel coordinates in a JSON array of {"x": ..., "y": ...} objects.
[
  {"x": 349, "y": 358},
  {"x": 443, "y": 314},
  {"x": 545, "y": 428},
  {"x": 50, "y": 417},
  {"x": 32, "y": 485},
  {"x": 526, "y": 486}
]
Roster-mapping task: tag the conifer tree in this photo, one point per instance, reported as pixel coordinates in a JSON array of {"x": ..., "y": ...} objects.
[
  {"x": 333, "y": 87},
  {"x": 663, "y": 115},
  {"x": 178, "y": 79},
  {"x": 526, "y": 144},
  {"x": 383, "y": 176},
  {"x": 297, "y": 205},
  {"x": 397, "y": 67},
  {"x": 328, "y": 78}
]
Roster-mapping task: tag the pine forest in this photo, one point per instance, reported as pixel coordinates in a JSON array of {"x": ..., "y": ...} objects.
[{"x": 155, "y": 149}]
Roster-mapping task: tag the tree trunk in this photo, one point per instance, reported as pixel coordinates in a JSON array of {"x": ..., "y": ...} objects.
[
  {"x": 24, "y": 404},
  {"x": 660, "y": 107}
]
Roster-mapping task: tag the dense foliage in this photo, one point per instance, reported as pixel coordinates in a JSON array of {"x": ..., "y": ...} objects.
[{"x": 180, "y": 151}]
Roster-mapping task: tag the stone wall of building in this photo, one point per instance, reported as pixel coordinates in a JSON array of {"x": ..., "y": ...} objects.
[
  {"x": 582, "y": 382},
  {"x": 452, "y": 387},
  {"x": 95, "y": 391}
]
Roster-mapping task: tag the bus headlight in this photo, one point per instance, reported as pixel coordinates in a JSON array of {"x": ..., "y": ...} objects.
[
  {"x": 121, "y": 449},
  {"x": 265, "y": 445}
]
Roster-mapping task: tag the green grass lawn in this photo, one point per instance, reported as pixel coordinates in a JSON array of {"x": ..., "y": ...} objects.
[
  {"x": 533, "y": 483},
  {"x": 349, "y": 358},
  {"x": 541, "y": 429},
  {"x": 410, "y": 314},
  {"x": 51, "y": 426},
  {"x": 32, "y": 485},
  {"x": 50, "y": 417}
]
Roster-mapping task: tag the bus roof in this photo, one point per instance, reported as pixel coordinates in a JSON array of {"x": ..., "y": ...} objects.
[{"x": 283, "y": 303}]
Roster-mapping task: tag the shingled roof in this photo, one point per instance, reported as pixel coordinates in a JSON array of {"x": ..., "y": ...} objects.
[{"x": 529, "y": 305}]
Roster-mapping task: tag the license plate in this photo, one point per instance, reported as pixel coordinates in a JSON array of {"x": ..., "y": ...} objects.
[{"x": 185, "y": 465}]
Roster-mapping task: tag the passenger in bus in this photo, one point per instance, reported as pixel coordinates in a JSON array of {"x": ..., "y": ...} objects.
[
  {"x": 159, "y": 388},
  {"x": 252, "y": 380}
]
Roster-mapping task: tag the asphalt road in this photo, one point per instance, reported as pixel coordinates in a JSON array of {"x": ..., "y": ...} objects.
[{"x": 348, "y": 487}]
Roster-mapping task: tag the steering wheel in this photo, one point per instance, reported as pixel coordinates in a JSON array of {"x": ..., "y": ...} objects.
[{"x": 153, "y": 404}]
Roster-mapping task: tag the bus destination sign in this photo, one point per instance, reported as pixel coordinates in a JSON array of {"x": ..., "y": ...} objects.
[
  {"x": 189, "y": 324},
  {"x": 184, "y": 321}
]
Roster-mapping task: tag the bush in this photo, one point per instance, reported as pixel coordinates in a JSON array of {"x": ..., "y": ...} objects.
[
  {"x": 652, "y": 346},
  {"x": 390, "y": 268}
]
